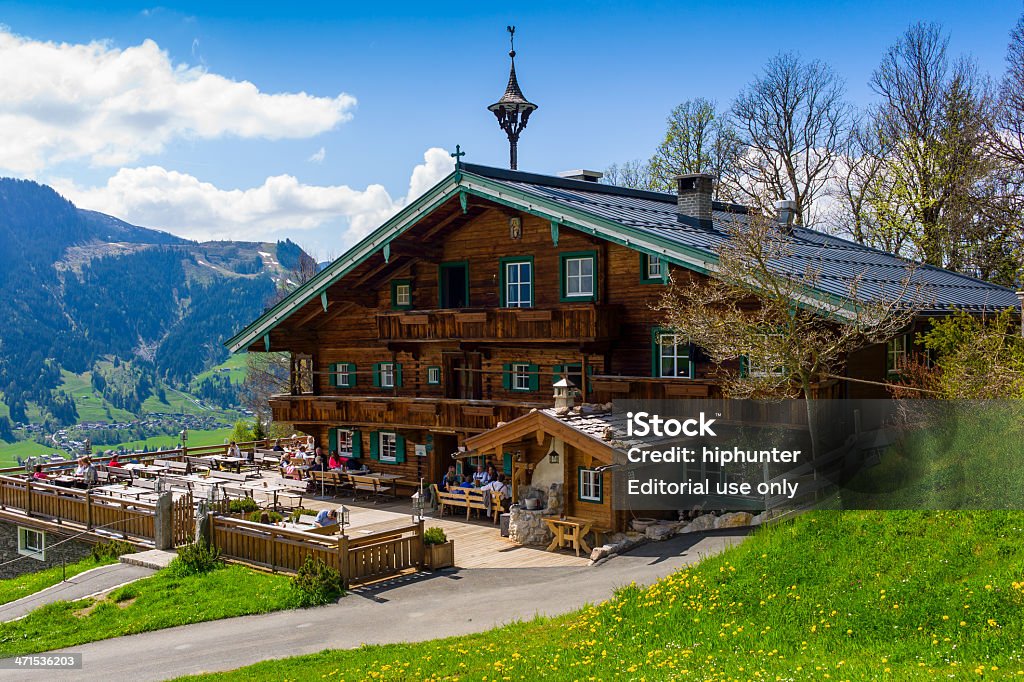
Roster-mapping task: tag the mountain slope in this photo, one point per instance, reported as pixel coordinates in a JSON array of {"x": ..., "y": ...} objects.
[{"x": 80, "y": 287}]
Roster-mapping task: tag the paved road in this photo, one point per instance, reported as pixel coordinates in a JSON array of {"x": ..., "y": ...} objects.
[
  {"x": 83, "y": 585},
  {"x": 400, "y": 611}
]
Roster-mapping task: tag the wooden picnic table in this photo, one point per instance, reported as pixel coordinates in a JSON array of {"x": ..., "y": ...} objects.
[
  {"x": 267, "y": 487},
  {"x": 143, "y": 469},
  {"x": 569, "y": 532},
  {"x": 128, "y": 491},
  {"x": 234, "y": 462}
]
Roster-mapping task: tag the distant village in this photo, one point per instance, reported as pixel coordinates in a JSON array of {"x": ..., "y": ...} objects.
[{"x": 71, "y": 441}]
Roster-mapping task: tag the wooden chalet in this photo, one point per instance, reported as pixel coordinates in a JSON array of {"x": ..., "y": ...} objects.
[{"x": 459, "y": 313}]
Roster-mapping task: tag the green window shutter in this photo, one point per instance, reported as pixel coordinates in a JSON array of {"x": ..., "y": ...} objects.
[
  {"x": 398, "y": 375},
  {"x": 590, "y": 373},
  {"x": 374, "y": 445},
  {"x": 332, "y": 440},
  {"x": 534, "y": 377},
  {"x": 558, "y": 370},
  {"x": 506, "y": 464},
  {"x": 744, "y": 366},
  {"x": 357, "y": 444},
  {"x": 351, "y": 375},
  {"x": 506, "y": 376},
  {"x": 399, "y": 449},
  {"x": 376, "y": 375},
  {"x": 332, "y": 368}
]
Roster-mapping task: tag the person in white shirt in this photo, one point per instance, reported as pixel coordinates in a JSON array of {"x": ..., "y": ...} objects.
[
  {"x": 233, "y": 450},
  {"x": 499, "y": 485},
  {"x": 481, "y": 478}
]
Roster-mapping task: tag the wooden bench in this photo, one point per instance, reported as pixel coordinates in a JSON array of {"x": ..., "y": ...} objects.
[
  {"x": 331, "y": 480},
  {"x": 173, "y": 466},
  {"x": 470, "y": 499},
  {"x": 371, "y": 485},
  {"x": 267, "y": 459},
  {"x": 197, "y": 465}
]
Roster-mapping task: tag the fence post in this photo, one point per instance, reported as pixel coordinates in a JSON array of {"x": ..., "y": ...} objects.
[
  {"x": 88, "y": 510},
  {"x": 420, "y": 549},
  {"x": 343, "y": 560},
  {"x": 28, "y": 497},
  {"x": 163, "y": 521}
]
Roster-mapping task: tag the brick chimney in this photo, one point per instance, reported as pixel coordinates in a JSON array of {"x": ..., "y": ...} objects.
[
  {"x": 785, "y": 211},
  {"x": 581, "y": 174},
  {"x": 694, "y": 196}
]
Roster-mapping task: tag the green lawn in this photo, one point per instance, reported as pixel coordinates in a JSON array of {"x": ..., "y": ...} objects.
[
  {"x": 24, "y": 585},
  {"x": 235, "y": 364},
  {"x": 90, "y": 405},
  {"x": 23, "y": 449},
  {"x": 195, "y": 439},
  {"x": 832, "y": 595},
  {"x": 160, "y": 601}
]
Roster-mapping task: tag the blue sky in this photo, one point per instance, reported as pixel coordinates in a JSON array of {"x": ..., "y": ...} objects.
[{"x": 604, "y": 74}]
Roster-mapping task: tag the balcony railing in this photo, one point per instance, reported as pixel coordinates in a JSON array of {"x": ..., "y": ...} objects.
[
  {"x": 398, "y": 412},
  {"x": 577, "y": 322}
]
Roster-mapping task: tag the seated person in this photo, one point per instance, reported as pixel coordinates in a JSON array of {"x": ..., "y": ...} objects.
[
  {"x": 352, "y": 464},
  {"x": 81, "y": 468},
  {"x": 500, "y": 486},
  {"x": 492, "y": 473},
  {"x": 326, "y": 517},
  {"x": 233, "y": 450},
  {"x": 38, "y": 474},
  {"x": 481, "y": 477},
  {"x": 450, "y": 479},
  {"x": 335, "y": 462},
  {"x": 467, "y": 482},
  {"x": 277, "y": 446},
  {"x": 114, "y": 462}
]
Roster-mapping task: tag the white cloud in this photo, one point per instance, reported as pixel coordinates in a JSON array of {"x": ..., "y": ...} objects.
[
  {"x": 318, "y": 156},
  {"x": 111, "y": 106},
  {"x": 180, "y": 203}
]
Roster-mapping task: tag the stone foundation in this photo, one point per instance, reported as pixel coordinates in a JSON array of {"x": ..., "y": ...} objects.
[
  {"x": 528, "y": 527},
  {"x": 70, "y": 552}
]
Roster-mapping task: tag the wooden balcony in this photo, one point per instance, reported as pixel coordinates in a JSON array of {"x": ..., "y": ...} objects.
[
  {"x": 438, "y": 414},
  {"x": 576, "y": 322},
  {"x": 607, "y": 388}
]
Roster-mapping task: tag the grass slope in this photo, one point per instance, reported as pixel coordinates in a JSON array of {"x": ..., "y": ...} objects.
[
  {"x": 160, "y": 601},
  {"x": 91, "y": 405},
  {"x": 23, "y": 449},
  {"x": 235, "y": 367},
  {"x": 29, "y": 583},
  {"x": 832, "y": 595},
  {"x": 195, "y": 439}
]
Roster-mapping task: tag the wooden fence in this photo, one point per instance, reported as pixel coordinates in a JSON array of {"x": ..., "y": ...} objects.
[
  {"x": 131, "y": 519},
  {"x": 183, "y": 520},
  {"x": 358, "y": 560}
]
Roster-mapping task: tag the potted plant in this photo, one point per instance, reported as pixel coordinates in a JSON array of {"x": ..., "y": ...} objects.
[{"x": 438, "y": 550}]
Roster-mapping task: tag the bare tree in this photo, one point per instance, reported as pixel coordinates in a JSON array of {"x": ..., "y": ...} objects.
[
  {"x": 792, "y": 121},
  {"x": 634, "y": 174},
  {"x": 269, "y": 374},
  {"x": 698, "y": 139}
]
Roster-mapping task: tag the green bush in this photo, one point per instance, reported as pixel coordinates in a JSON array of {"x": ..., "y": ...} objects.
[
  {"x": 256, "y": 516},
  {"x": 296, "y": 513},
  {"x": 434, "y": 536},
  {"x": 112, "y": 550},
  {"x": 316, "y": 583},
  {"x": 243, "y": 506},
  {"x": 194, "y": 559}
]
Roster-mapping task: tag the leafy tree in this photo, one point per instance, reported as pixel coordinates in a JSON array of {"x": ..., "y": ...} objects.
[
  {"x": 242, "y": 431},
  {"x": 976, "y": 357},
  {"x": 698, "y": 139}
]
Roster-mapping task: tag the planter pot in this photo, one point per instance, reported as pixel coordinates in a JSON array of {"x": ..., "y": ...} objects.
[
  {"x": 640, "y": 525},
  {"x": 439, "y": 556}
]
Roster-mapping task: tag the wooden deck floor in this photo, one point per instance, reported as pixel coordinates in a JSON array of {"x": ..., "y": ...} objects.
[{"x": 478, "y": 544}]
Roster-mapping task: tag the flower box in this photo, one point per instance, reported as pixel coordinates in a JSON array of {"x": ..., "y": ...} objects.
[{"x": 440, "y": 555}]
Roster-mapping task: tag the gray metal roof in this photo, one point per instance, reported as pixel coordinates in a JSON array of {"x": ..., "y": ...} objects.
[{"x": 837, "y": 260}]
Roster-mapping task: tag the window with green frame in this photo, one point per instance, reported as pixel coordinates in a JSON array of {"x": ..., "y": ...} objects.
[
  {"x": 590, "y": 485},
  {"x": 578, "y": 275},
  {"x": 343, "y": 375},
  {"x": 896, "y": 354},
  {"x": 520, "y": 376},
  {"x": 387, "y": 375},
  {"x": 573, "y": 372},
  {"x": 516, "y": 282},
  {"x": 347, "y": 442},
  {"x": 387, "y": 447},
  {"x": 401, "y": 294},
  {"x": 652, "y": 269},
  {"x": 433, "y": 375},
  {"x": 671, "y": 355}
]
